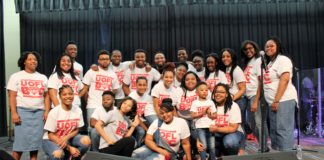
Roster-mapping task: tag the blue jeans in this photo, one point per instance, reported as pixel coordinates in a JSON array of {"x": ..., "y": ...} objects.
[
  {"x": 208, "y": 140},
  {"x": 282, "y": 126},
  {"x": 146, "y": 153},
  {"x": 240, "y": 103},
  {"x": 151, "y": 118},
  {"x": 49, "y": 147},
  {"x": 95, "y": 139},
  {"x": 228, "y": 144},
  {"x": 139, "y": 136}
]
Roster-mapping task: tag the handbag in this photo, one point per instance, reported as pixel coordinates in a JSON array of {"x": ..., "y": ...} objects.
[{"x": 162, "y": 143}]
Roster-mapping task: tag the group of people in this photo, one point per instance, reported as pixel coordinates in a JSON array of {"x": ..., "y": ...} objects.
[{"x": 168, "y": 110}]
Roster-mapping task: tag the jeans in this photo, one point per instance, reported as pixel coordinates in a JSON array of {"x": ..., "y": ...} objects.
[
  {"x": 247, "y": 116},
  {"x": 139, "y": 136},
  {"x": 208, "y": 140},
  {"x": 146, "y": 153},
  {"x": 240, "y": 103},
  {"x": 282, "y": 126},
  {"x": 95, "y": 139},
  {"x": 151, "y": 118},
  {"x": 89, "y": 113},
  {"x": 228, "y": 144},
  {"x": 49, "y": 147}
]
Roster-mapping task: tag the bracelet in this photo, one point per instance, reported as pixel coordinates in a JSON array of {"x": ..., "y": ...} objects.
[{"x": 275, "y": 101}]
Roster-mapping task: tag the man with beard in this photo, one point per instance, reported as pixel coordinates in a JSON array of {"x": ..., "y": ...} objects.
[{"x": 159, "y": 61}]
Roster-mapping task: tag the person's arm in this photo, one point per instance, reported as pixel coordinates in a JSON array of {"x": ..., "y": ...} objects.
[
  {"x": 142, "y": 124},
  {"x": 255, "y": 103},
  {"x": 283, "y": 83},
  {"x": 47, "y": 105},
  {"x": 84, "y": 90},
  {"x": 13, "y": 107},
  {"x": 93, "y": 122},
  {"x": 99, "y": 127},
  {"x": 134, "y": 124},
  {"x": 156, "y": 105},
  {"x": 241, "y": 90},
  {"x": 62, "y": 142},
  {"x": 195, "y": 115},
  {"x": 53, "y": 96},
  {"x": 149, "y": 142},
  {"x": 186, "y": 147},
  {"x": 126, "y": 89},
  {"x": 231, "y": 128}
]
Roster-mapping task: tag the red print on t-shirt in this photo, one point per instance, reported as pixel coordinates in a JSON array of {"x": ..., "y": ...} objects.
[
  {"x": 212, "y": 83},
  {"x": 134, "y": 77},
  {"x": 169, "y": 136},
  {"x": 65, "y": 127},
  {"x": 185, "y": 103},
  {"x": 120, "y": 76},
  {"x": 32, "y": 88},
  {"x": 121, "y": 129},
  {"x": 266, "y": 79},
  {"x": 222, "y": 120},
  {"x": 103, "y": 83},
  {"x": 228, "y": 77},
  {"x": 140, "y": 108},
  {"x": 202, "y": 109},
  {"x": 71, "y": 82},
  {"x": 247, "y": 73}
]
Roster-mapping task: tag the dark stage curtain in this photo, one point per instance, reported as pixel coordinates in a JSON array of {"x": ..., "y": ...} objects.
[
  {"x": 209, "y": 27},
  {"x": 3, "y": 113}
]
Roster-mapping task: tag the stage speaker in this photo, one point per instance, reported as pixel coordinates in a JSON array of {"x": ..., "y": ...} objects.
[
  {"x": 286, "y": 155},
  {"x": 102, "y": 156}
]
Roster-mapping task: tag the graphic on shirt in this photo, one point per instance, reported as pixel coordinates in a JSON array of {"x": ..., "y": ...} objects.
[
  {"x": 103, "y": 83},
  {"x": 134, "y": 77},
  {"x": 169, "y": 136},
  {"x": 163, "y": 96},
  {"x": 222, "y": 120},
  {"x": 228, "y": 77},
  {"x": 266, "y": 76},
  {"x": 247, "y": 73},
  {"x": 212, "y": 83},
  {"x": 71, "y": 82},
  {"x": 65, "y": 127},
  {"x": 202, "y": 109},
  {"x": 185, "y": 103},
  {"x": 121, "y": 129},
  {"x": 32, "y": 88},
  {"x": 140, "y": 108},
  {"x": 120, "y": 76}
]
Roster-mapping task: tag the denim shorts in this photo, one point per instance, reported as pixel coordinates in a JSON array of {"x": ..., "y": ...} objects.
[{"x": 28, "y": 134}]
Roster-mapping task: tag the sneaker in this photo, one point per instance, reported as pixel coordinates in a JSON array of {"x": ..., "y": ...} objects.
[{"x": 250, "y": 137}]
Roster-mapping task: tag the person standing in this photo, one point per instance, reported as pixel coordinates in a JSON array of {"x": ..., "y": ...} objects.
[{"x": 29, "y": 105}]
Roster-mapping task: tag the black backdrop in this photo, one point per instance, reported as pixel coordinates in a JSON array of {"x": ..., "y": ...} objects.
[
  {"x": 209, "y": 27},
  {"x": 3, "y": 113}
]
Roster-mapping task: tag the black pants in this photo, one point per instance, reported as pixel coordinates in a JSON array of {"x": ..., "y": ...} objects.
[{"x": 123, "y": 147}]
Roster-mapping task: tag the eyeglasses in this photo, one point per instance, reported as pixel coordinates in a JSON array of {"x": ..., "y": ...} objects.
[{"x": 248, "y": 48}]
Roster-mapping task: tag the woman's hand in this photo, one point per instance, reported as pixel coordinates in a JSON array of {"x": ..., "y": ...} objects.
[
  {"x": 200, "y": 146},
  {"x": 254, "y": 107},
  {"x": 74, "y": 151},
  {"x": 165, "y": 153},
  {"x": 16, "y": 118},
  {"x": 275, "y": 106},
  {"x": 136, "y": 121},
  {"x": 213, "y": 128},
  {"x": 45, "y": 115},
  {"x": 62, "y": 143}
]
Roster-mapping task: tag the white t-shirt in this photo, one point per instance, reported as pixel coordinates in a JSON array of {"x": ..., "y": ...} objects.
[
  {"x": 56, "y": 83},
  {"x": 190, "y": 67},
  {"x": 198, "y": 106},
  {"x": 184, "y": 103},
  {"x": 144, "y": 104},
  {"x": 120, "y": 72},
  {"x": 30, "y": 88},
  {"x": 251, "y": 77},
  {"x": 201, "y": 74},
  {"x": 159, "y": 91},
  {"x": 281, "y": 64},
  {"x": 213, "y": 80},
  {"x": 62, "y": 122},
  {"x": 100, "y": 113},
  {"x": 231, "y": 116},
  {"x": 176, "y": 83},
  {"x": 116, "y": 127},
  {"x": 99, "y": 81},
  {"x": 173, "y": 132},
  {"x": 238, "y": 76},
  {"x": 131, "y": 76}
]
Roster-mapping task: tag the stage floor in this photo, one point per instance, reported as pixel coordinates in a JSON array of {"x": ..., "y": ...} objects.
[{"x": 314, "y": 144}]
